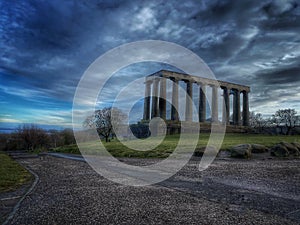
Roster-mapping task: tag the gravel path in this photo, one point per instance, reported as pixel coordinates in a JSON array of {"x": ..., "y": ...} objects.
[{"x": 229, "y": 192}]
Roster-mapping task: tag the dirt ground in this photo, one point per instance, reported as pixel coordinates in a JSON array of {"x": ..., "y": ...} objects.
[{"x": 257, "y": 191}]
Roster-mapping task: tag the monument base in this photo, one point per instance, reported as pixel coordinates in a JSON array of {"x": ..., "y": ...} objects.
[{"x": 174, "y": 127}]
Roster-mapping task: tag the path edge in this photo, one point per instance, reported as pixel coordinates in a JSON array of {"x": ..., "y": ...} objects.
[{"x": 16, "y": 207}]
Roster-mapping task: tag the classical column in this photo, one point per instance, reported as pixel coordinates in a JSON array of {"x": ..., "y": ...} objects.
[
  {"x": 245, "y": 109},
  {"x": 226, "y": 106},
  {"x": 214, "y": 108},
  {"x": 155, "y": 98},
  {"x": 202, "y": 103},
  {"x": 174, "y": 112},
  {"x": 162, "y": 98},
  {"x": 236, "y": 108},
  {"x": 147, "y": 100},
  {"x": 189, "y": 101}
]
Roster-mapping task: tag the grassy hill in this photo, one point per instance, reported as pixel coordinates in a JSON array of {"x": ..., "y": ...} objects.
[
  {"x": 117, "y": 149},
  {"x": 12, "y": 175}
]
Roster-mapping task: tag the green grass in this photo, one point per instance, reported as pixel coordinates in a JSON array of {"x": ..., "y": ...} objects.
[
  {"x": 73, "y": 149},
  {"x": 163, "y": 150},
  {"x": 12, "y": 175},
  {"x": 267, "y": 140}
]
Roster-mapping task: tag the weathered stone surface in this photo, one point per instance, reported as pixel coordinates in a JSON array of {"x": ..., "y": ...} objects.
[
  {"x": 241, "y": 151},
  {"x": 257, "y": 148},
  {"x": 284, "y": 149},
  {"x": 210, "y": 150},
  {"x": 291, "y": 148},
  {"x": 297, "y": 145},
  {"x": 199, "y": 151},
  {"x": 279, "y": 150}
]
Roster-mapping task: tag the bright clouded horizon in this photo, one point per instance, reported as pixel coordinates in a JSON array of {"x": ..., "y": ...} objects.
[{"x": 46, "y": 46}]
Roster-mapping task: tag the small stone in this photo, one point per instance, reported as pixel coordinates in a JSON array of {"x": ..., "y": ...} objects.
[
  {"x": 297, "y": 145},
  {"x": 208, "y": 149},
  {"x": 257, "y": 148},
  {"x": 199, "y": 152},
  {"x": 291, "y": 148},
  {"x": 241, "y": 151},
  {"x": 279, "y": 150}
]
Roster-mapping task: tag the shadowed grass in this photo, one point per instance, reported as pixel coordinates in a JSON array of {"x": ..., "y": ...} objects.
[
  {"x": 12, "y": 175},
  {"x": 267, "y": 140},
  {"x": 117, "y": 149}
]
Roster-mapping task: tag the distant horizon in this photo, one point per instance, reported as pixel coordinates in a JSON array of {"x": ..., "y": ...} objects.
[{"x": 9, "y": 128}]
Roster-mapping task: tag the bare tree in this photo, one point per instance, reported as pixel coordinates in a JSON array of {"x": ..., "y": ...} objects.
[
  {"x": 257, "y": 121},
  {"x": 297, "y": 120},
  {"x": 55, "y": 138},
  {"x": 67, "y": 136},
  {"x": 63, "y": 137},
  {"x": 32, "y": 137},
  {"x": 105, "y": 121},
  {"x": 287, "y": 118}
]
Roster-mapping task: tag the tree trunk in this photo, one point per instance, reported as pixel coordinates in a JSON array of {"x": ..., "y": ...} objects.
[{"x": 289, "y": 129}]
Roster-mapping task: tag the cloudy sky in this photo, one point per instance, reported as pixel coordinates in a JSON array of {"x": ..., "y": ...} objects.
[{"x": 45, "y": 47}]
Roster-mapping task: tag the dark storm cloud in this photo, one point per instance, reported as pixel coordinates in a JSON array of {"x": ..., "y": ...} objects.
[
  {"x": 278, "y": 8},
  {"x": 51, "y": 43},
  {"x": 287, "y": 76}
]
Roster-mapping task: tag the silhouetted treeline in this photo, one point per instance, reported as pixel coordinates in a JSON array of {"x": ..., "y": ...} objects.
[
  {"x": 284, "y": 121},
  {"x": 31, "y": 137}
]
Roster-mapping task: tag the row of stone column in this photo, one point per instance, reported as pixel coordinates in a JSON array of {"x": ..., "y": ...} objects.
[
  {"x": 236, "y": 106},
  {"x": 158, "y": 108}
]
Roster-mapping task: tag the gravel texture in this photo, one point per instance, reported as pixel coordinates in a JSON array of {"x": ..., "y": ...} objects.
[
  {"x": 8, "y": 200},
  {"x": 229, "y": 192}
]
